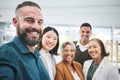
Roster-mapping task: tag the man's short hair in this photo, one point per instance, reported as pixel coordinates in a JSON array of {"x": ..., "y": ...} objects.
[
  {"x": 86, "y": 25},
  {"x": 27, "y": 3}
]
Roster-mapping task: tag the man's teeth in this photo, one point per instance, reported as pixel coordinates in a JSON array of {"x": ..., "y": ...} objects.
[{"x": 34, "y": 33}]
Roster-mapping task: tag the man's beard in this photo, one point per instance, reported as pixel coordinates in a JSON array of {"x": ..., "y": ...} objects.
[{"x": 23, "y": 36}]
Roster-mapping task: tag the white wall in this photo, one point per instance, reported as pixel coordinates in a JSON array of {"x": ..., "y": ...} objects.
[{"x": 70, "y": 12}]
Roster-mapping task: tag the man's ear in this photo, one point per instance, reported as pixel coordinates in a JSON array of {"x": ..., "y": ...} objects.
[{"x": 15, "y": 22}]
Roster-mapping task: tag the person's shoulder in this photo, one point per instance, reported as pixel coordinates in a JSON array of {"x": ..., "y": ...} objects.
[
  {"x": 5, "y": 46},
  {"x": 107, "y": 63},
  {"x": 59, "y": 64},
  {"x": 77, "y": 63},
  {"x": 88, "y": 62},
  {"x": 110, "y": 65},
  {"x": 8, "y": 51},
  {"x": 111, "y": 68}
]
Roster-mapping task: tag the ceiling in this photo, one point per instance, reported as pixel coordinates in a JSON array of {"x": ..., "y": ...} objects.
[{"x": 70, "y": 12}]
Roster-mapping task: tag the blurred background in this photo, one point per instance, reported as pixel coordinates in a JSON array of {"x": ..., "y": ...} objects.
[{"x": 67, "y": 16}]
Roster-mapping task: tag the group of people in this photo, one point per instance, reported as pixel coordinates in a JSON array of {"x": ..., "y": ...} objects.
[{"x": 30, "y": 55}]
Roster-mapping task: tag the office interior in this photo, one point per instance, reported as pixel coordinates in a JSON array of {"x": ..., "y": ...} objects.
[{"x": 67, "y": 16}]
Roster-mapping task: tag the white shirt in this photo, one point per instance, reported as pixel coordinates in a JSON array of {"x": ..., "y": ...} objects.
[
  {"x": 58, "y": 58},
  {"x": 81, "y": 47},
  {"x": 49, "y": 63},
  {"x": 75, "y": 75}
]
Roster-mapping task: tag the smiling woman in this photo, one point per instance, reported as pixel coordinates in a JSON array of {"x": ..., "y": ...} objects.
[
  {"x": 99, "y": 68},
  {"x": 48, "y": 47},
  {"x": 71, "y": 69}
]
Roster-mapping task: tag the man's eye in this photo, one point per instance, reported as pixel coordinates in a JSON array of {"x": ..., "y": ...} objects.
[
  {"x": 87, "y": 32},
  {"x": 82, "y": 31},
  {"x": 30, "y": 21},
  {"x": 40, "y": 23}
]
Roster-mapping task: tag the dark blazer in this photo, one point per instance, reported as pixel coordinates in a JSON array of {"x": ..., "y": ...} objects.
[{"x": 63, "y": 72}]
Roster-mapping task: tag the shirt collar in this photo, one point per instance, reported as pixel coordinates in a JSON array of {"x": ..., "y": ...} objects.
[
  {"x": 79, "y": 44},
  {"x": 22, "y": 47},
  {"x": 43, "y": 52}
]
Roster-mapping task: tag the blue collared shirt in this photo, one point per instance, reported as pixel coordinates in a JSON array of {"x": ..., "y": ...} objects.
[{"x": 18, "y": 63}]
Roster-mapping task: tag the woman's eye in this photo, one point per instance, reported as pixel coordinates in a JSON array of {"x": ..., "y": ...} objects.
[
  {"x": 72, "y": 50},
  {"x": 65, "y": 50}
]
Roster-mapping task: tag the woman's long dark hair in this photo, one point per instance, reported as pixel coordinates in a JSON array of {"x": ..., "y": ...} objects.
[{"x": 55, "y": 49}]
